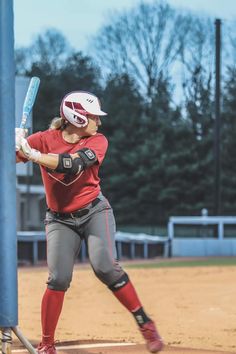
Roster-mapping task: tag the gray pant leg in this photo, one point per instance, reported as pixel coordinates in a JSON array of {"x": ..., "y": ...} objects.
[
  {"x": 100, "y": 237},
  {"x": 63, "y": 245}
]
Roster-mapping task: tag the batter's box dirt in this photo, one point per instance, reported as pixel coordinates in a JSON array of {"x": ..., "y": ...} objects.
[
  {"x": 193, "y": 308},
  {"x": 119, "y": 348}
]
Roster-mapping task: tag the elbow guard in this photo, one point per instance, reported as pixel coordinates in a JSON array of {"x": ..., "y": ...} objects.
[
  {"x": 68, "y": 165},
  {"x": 88, "y": 157}
]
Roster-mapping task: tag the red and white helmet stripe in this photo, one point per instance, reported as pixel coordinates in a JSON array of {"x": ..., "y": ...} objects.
[{"x": 76, "y": 106}]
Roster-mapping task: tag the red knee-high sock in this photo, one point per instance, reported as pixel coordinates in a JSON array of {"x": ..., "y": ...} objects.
[
  {"x": 50, "y": 311},
  {"x": 128, "y": 297}
]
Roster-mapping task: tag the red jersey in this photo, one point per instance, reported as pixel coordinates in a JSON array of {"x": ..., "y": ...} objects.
[{"x": 66, "y": 193}]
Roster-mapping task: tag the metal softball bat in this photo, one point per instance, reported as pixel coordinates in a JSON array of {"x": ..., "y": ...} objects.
[{"x": 29, "y": 99}]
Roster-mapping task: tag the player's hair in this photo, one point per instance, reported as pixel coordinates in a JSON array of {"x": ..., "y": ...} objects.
[{"x": 57, "y": 123}]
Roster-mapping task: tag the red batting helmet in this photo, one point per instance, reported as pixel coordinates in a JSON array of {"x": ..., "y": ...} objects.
[{"x": 75, "y": 107}]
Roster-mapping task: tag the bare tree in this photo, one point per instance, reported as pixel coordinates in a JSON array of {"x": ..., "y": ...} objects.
[
  {"x": 230, "y": 47},
  {"x": 197, "y": 57},
  {"x": 51, "y": 47},
  {"x": 49, "y": 51},
  {"x": 143, "y": 42},
  {"x": 22, "y": 60},
  {"x": 197, "y": 53}
]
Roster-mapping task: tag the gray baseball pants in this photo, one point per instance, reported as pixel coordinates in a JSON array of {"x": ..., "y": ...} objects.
[{"x": 64, "y": 238}]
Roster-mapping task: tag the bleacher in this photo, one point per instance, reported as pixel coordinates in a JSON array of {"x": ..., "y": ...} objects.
[{"x": 217, "y": 244}]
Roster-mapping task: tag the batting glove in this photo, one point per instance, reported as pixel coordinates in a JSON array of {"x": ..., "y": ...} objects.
[
  {"x": 29, "y": 152},
  {"x": 19, "y": 134}
]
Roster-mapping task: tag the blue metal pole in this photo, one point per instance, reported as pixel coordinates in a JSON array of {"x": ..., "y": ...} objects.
[{"x": 8, "y": 240}]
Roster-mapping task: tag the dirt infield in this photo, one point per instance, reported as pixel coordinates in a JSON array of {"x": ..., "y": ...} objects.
[
  {"x": 119, "y": 348},
  {"x": 193, "y": 308}
]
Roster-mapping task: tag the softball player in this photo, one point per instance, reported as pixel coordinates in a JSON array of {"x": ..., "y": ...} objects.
[{"x": 70, "y": 153}]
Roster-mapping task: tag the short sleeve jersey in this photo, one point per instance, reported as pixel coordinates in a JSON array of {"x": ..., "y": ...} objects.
[{"x": 66, "y": 193}]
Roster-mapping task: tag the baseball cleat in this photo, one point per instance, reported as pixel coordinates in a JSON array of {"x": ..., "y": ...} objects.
[
  {"x": 154, "y": 341},
  {"x": 46, "y": 349}
]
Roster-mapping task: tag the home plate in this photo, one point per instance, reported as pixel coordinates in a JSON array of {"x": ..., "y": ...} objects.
[{"x": 97, "y": 345}]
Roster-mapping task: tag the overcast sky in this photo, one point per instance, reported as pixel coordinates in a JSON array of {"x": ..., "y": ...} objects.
[{"x": 80, "y": 19}]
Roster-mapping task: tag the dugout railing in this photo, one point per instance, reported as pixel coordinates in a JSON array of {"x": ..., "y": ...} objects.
[
  {"x": 146, "y": 242},
  {"x": 128, "y": 245}
]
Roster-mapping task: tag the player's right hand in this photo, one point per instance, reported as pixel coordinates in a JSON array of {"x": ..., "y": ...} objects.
[
  {"x": 19, "y": 134},
  {"x": 28, "y": 151}
]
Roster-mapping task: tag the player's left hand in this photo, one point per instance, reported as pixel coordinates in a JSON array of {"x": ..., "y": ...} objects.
[{"x": 19, "y": 134}]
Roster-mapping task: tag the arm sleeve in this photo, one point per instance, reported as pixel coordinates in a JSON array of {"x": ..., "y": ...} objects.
[{"x": 99, "y": 145}]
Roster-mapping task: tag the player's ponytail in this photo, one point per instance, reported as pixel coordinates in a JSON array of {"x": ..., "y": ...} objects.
[{"x": 57, "y": 123}]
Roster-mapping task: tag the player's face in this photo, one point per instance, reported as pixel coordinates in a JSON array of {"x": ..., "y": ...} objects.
[
  {"x": 91, "y": 129},
  {"x": 93, "y": 123}
]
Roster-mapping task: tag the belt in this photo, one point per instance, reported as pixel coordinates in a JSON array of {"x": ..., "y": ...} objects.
[{"x": 77, "y": 213}]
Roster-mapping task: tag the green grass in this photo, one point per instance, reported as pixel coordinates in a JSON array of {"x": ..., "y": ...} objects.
[{"x": 212, "y": 261}]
